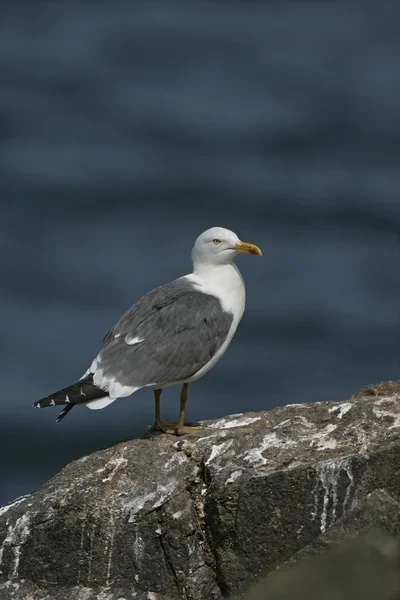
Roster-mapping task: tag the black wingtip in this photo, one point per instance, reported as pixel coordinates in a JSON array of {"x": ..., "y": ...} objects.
[{"x": 64, "y": 412}]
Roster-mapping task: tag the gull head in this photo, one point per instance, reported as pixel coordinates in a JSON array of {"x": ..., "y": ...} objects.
[{"x": 219, "y": 246}]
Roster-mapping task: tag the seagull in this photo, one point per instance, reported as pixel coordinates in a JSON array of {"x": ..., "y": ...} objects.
[{"x": 173, "y": 335}]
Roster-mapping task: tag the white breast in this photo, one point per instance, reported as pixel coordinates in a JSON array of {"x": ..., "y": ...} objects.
[{"x": 226, "y": 283}]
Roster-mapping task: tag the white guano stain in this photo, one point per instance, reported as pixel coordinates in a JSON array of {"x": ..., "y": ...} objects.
[
  {"x": 181, "y": 445},
  {"x": 383, "y": 399},
  {"x": 138, "y": 552},
  {"x": 322, "y": 440},
  {"x": 90, "y": 556},
  {"x": 81, "y": 547},
  {"x": 218, "y": 449},
  {"x": 102, "y": 594},
  {"x": 328, "y": 444},
  {"x": 230, "y": 424},
  {"x": 233, "y": 476},
  {"x": 342, "y": 409},
  {"x": 303, "y": 422},
  {"x": 17, "y": 535},
  {"x": 283, "y": 424},
  {"x": 110, "y": 549},
  {"x": 270, "y": 440},
  {"x": 328, "y": 475},
  {"x": 117, "y": 463},
  {"x": 177, "y": 459},
  {"x": 12, "y": 504},
  {"x": 156, "y": 498},
  {"x": 84, "y": 593},
  {"x": 384, "y": 413}
]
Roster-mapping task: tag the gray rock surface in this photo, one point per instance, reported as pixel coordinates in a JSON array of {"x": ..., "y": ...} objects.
[
  {"x": 357, "y": 557},
  {"x": 205, "y": 515},
  {"x": 363, "y": 567}
]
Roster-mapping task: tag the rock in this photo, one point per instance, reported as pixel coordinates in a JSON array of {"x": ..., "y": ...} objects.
[
  {"x": 362, "y": 567},
  {"x": 366, "y": 565},
  {"x": 375, "y": 516},
  {"x": 203, "y": 516}
]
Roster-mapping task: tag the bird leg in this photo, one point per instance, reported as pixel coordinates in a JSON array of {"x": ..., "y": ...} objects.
[
  {"x": 164, "y": 426},
  {"x": 180, "y": 428},
  {"x": 167, "y": 426}
]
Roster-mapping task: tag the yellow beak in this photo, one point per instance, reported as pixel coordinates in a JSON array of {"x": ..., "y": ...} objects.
[{"x": 248, "y": 248}]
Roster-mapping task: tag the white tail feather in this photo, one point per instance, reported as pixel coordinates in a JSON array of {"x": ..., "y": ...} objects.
[{"x": 100, "y": 403}]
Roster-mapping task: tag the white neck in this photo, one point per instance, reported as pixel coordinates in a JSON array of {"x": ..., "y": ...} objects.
[{"x": 223, "y": 281}]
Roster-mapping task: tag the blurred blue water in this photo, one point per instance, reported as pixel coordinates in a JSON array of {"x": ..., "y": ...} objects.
[{"x": 128, "y": 130}]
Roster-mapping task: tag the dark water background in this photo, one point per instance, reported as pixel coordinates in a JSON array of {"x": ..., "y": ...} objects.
[{"x": 126, "y": 130}]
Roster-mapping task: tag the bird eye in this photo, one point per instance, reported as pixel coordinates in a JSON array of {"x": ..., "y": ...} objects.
[{"x": 216, "y": 242}]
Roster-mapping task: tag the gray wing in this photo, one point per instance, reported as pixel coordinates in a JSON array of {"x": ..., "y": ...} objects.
[{"x": 181, "y": 330}]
